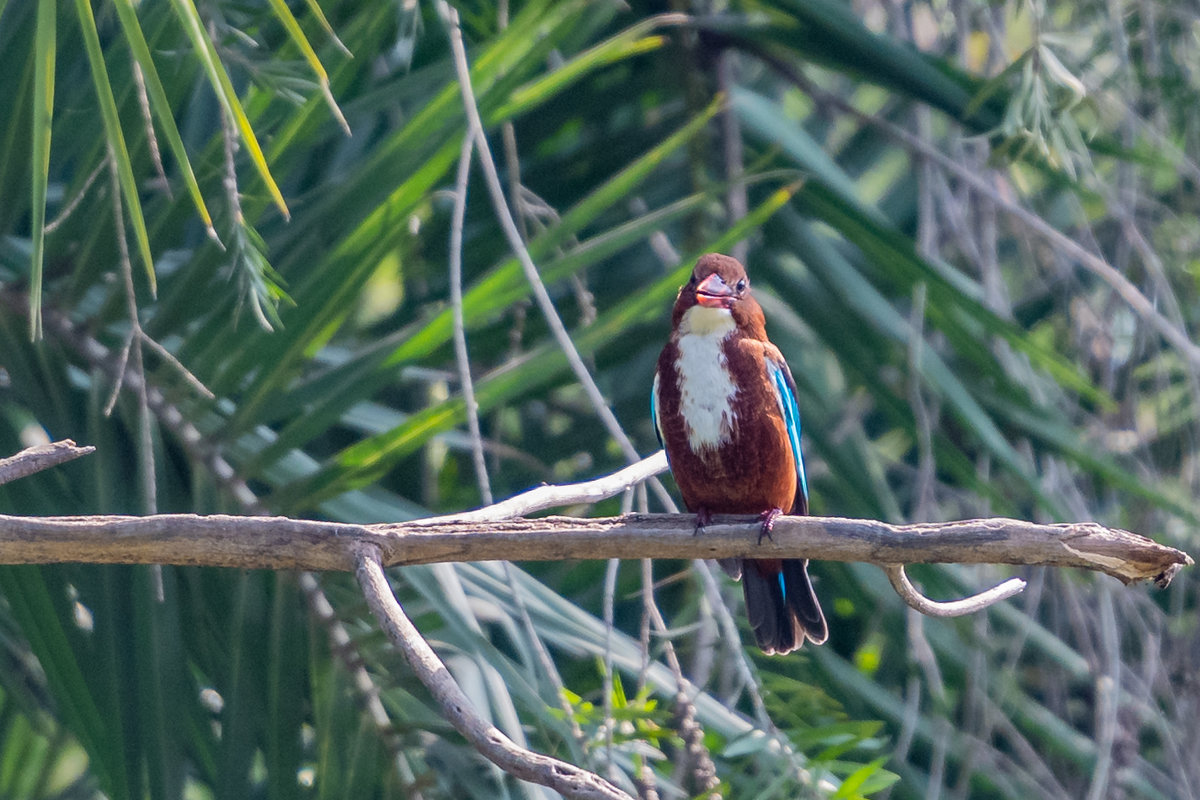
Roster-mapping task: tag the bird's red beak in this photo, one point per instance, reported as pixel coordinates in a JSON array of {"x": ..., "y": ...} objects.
[{"x": 713, "y": 292}]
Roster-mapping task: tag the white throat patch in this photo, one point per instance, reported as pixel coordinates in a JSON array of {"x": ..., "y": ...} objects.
[{"x": 706, "y": 388}]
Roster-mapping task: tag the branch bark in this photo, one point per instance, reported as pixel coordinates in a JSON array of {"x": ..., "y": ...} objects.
[
  {"x": 39, "y": 457},
  {"x": 567, "y": 779},
  {"x": 282, "y": 543}
]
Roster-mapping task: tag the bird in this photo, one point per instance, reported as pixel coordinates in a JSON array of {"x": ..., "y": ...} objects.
[{"x": 724, "y": 407}]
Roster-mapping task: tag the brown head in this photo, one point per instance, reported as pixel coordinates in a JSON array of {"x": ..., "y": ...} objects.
[{"x": 720, "y": 282}]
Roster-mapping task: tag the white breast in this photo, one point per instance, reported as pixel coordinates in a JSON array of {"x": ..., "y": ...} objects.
[{"x": 706, "y": 387}]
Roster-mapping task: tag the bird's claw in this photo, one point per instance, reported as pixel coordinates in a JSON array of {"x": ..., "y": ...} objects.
[
  {"x": 767, "y": 518},
  {"x": 703, "y": 520}
]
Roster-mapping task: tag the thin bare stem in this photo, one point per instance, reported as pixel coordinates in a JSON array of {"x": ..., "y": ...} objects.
[
  {"x": 1108, "y": 696},
  {"x": 508, "y": 224},
  {"x": 346, "y": 652},
  {"x": 699, "y": 761},
  {"x": 610, "y": 594},
  {"x": 952, "y": 608},
  {"x": 147, "y": 471},
  {"x": 169, "y": 358},
  {"x": 923, "y": 492},
  {"x": 461, "y": 356},
  {"x": 729, "y": 632},
  {"x": 139, "y": 82},
  {"x": 544, "y": 497},
  {"x": 545, "y": 662},
  {"x": 71, "y": 206}
]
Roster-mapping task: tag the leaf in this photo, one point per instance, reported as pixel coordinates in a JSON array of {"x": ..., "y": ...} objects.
[
  {"x": 285, "y": 16},
  {"x": 203, "y": 49},
  {"x": 118, "y": 154},
  {"x": 43, "y": 117},
  {"x": 866, "y": 779},
  {"x": 161, "y": 106}
]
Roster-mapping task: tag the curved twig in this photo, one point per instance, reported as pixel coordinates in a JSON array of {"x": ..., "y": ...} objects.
[{"x": 950, "y": 608}]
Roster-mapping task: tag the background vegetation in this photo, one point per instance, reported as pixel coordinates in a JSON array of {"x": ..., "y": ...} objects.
[{"x": 971, "y": 224}]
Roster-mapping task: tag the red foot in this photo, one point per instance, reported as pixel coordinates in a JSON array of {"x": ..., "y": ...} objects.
[
  {"x": 767, "y": 518},
  {"x": 703, "y": 520}
]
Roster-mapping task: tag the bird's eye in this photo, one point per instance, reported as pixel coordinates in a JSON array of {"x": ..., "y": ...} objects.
[{"x": 741, "y": 285}]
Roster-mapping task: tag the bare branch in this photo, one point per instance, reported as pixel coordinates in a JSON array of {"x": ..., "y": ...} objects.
[
  {"x": 953, "y": 608},
  {"x": 566, "y": 779},
  {"x": 282, "y": 543},
  {"x": 542, "y": 497},
  {"x": 34, "y": 459}
]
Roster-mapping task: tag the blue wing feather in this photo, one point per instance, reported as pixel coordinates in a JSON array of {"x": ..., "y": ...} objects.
[
  {"x": 654, "y": 410},
  {"x": 785, "y": 393}
]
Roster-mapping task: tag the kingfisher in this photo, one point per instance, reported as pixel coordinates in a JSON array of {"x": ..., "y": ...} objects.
[{"x": 724, "y": 409}]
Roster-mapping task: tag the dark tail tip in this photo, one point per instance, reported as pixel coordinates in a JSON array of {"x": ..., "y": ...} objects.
[{"x": 782, "y": 606}]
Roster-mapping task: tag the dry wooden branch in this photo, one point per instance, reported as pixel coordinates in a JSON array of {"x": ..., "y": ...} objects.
[
  {"x": 953, "y": 608},
  {"x": 281, "y": 543},
  {"x": 39, "y": 457},
  {"x": 492, "y": 534},
  {"x": 547, "y": 496},
  {"x": 566, "y": 779}
]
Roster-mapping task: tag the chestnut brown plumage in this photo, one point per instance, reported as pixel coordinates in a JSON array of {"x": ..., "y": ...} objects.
[{"x": 725, "y": 410}]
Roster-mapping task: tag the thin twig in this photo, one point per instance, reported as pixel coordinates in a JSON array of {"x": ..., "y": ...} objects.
[
  {"x": 954, "y": 608},
  {"x": 147, "y": 470},
  {"x": 169, "y": 358},
  {"x": 923, "y": 491},
  {"x": 449, "y": 18},
  {"x": 71, "y": 206},
  {"x": 40, "y": 457},
  {"x": 660, "y": 243},
  {"x": 346, "y": 652},
  {"x": 1108, "y": 694},
  {"x": 543, "y": 497},
  {"x": 610, "y": 594},
  {"x": 644, "y": 777},
  {"x": 461, "y": 356},
  {"x": 696, "y": 756},
  {"x": 564, "y": 778},
  {"x": 922, "y": 654},
  {"x": 139, "y": 82}
]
